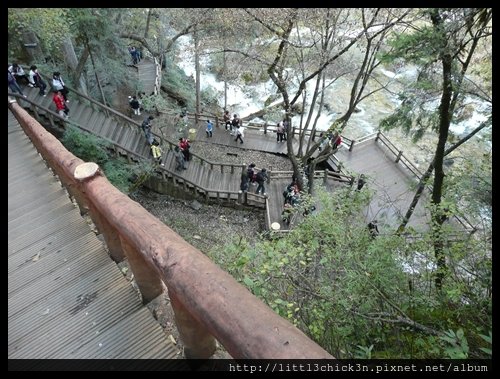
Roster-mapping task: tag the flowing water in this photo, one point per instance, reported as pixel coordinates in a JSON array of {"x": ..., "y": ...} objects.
[{"x": 246, "y": 99}]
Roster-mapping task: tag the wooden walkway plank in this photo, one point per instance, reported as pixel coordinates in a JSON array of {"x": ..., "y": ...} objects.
[
  {"x": 391, "y": 183},
  {"x": 66, "y": 297},
  {"x": 146, "y": 75}
]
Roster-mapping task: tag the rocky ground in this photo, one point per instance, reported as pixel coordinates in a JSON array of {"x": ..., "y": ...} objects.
[{"x": 206, "y": 227}]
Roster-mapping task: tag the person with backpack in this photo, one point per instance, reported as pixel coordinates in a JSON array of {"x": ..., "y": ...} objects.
[
  {"x": 156, "y": 151},
  {"x": 235, "y": 124},
  {"x": 251, "y": 173},
  {"x": 58, "y": 85},
  {"x": 146, "y": 127},
  {"x": 239, "y": 134},
  {"x": 361, "y": 182},
  {"x": 18, "y": 73},
  {"x": 261, "y": 178},
  {"x": 36, "y": 80},
  {"x": 11, "y": 82},
  {"x": 135, "y": 105},
  {"x": 227, "y": 120}
]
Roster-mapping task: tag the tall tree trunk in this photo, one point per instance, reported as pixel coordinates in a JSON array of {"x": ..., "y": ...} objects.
[
  {"x": 438, "y": 216},
  {"x": 74, "y": 65},
  {"x": 197, "y": 71},
  {"x": 224, "y": 77}
]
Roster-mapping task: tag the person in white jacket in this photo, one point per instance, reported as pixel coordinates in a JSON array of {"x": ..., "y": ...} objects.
[
  {"x": 36, "y": 80},
  {"x": 58, "y": 85}
]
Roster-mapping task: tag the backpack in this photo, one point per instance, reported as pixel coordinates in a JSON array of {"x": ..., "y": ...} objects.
[{"x": 260, "y": 177}]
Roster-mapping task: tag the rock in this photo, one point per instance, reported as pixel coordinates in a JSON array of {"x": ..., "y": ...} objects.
[
  {"x": 197, "y": 237},
  {"x": 195, "y": 205}
]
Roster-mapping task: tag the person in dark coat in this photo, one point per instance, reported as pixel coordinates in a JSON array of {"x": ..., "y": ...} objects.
[
  {"x": 361, "y": 182},
  {"x": 373, "y": 229}
]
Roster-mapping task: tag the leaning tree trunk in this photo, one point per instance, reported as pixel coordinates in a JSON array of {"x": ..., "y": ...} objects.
[
  {"x": 76, "y": 68},
  {"x": 95, "y": 73}
]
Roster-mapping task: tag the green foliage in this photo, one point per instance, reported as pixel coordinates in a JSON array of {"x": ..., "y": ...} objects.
[
  {"x": 181, "y": 86},
  {"x": 363, "y": 352},
  {"x": 347, "y": 291},
  {"x": 489, "y": 341},
  {"x": 152, "y": 103},
  {"x": 126, "y": 177},
  {"x": 85, "y": 146},
  {"x": 50, "y": 25},
  {"x": 456, "y": 344},
  {"x": 118, "y": 172}
]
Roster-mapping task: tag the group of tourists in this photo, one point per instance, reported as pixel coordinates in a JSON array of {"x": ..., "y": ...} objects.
[
  {"x": 281, "y": 129},
  {"x": 253, "y": 176},
  {"x": 135, "y": 53},
  {"x": 330, "y": 139},
  {"x": 234, "y": 125},
  {"x": 16, "y": 75}
]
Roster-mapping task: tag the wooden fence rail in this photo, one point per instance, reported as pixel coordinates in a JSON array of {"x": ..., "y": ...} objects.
[{"x": 207, "y": 301}]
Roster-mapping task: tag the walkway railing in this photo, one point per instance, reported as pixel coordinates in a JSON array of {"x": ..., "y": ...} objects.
[
  {"x": 257, "y": 200},
  {"x": 401, "y": 158},
  {"x": 207, "y": 301}
]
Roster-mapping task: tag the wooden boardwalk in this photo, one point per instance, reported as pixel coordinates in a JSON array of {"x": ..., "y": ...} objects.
[
  {"x": 66, "y": 297},
  {"x": 393, "y": 185},
  {"x": 253, "y": 139},
  {"x": 146, "y": 76}
]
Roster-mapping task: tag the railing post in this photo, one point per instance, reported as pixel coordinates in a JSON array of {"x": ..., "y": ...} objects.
[
  {"x": 325, "y": 178},
  {"x": 314, "y": 135},
  {"x": 399, "y": 156},
  {"x": 242, "y": 197},
  {"x": 265, "y": 127},
  {"x": 351, "y": 146},
  {"x": 293, "y": 131},
  {"x": 146, "y": 277},
  {"x": 378, "y": 136},
  {"x": 198, "y": 342},
  {"x": 111, "y": 236}
]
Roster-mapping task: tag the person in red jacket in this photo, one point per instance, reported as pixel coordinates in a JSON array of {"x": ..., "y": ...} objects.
[{"x": 60, "y": 103}]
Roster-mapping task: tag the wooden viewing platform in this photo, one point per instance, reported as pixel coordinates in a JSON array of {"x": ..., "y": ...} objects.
[{"x": 66, "y": 297}]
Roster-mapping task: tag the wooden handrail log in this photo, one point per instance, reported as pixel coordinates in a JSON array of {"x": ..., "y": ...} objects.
[{"x": 245, "y": 326}]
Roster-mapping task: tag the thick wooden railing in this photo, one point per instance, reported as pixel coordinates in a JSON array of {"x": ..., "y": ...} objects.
[{"x": 207, "y": 301}]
